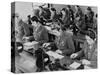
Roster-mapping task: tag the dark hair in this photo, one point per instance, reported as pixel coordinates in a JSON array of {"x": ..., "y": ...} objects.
[
  {"x": 48, "y": 5},
  {"x": 63, "y": 28},
  {"x": 40, "y": 7},
  {"x": 53, "y": 9},
  {"x": 34, "y": 18},
  {"x": 96, "y": 15},
  {"x": 38, "y": 52},
  {"x": 68, "y": 6},
  {"x": 63, "y": 9},
  {"x": 77, "y": 6},
  {"x": 13, "y": 15},
  {"x": 29, "y": 16},
  {"x": 42, "y": 21},
  {"x": 89, "y": 8}
]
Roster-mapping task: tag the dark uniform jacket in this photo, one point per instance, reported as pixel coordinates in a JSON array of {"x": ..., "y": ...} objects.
[
  {"x": 41, "y": 34},
  {"x": 65, "y": 43}
]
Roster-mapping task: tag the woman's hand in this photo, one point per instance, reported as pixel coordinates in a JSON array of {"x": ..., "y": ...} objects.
[
  {"x": 46, "y": 44},
  {"x": 74, "y": 55},
  {"x": 59, "y": 51}
]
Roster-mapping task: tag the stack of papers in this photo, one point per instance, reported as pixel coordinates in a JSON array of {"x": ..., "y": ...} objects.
[{"x": 55, "y": 55}]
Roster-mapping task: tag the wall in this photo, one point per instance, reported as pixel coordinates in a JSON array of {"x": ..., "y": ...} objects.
[{"x": 25, "y": 8}]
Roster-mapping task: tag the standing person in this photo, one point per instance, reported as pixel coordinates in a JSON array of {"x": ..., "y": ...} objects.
[
  {"x": 71, "y": 14},
  {"x": 30, "y": 24},
  {"x": 78, "y": 12},
  {"x": 29, "y": 19},
  {"x": 80, "y": 20},
  {"x": 65, "y": 17},
  {"x": 89, "y": 17}
]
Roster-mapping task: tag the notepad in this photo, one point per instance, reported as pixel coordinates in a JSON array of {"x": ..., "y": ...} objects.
[{"x": 74, "y": 65}]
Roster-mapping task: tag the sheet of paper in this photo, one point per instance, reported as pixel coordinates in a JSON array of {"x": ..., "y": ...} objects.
[
  {"x": 87, "y": 67},
  {"x": 59, "y": 51},
  {"x": 30, "y": 43},
  {"x": 75, "y": 65},
  {"x": 85, "y": 62},
  {"x": 55, "y": 55}
]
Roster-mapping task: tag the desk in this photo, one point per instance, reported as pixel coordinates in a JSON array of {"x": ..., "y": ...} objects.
[
  {"x": 64, "y": 61},
  {"x": 67, "y": 62}
]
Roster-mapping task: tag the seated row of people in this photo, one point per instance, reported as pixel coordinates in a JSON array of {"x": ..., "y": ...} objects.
[{"x": 63, "y": 42}]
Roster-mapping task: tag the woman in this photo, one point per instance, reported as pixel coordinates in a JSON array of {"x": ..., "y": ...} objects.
[
  {"x": 40, "y": 34},
  {"x": 64, "y": 42},
  {"x": 89, "y": 52},
  {"x": 65, "y": 17}
]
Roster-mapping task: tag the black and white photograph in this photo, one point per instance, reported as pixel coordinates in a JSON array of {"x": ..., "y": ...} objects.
[{"x": 48, "y": 37}]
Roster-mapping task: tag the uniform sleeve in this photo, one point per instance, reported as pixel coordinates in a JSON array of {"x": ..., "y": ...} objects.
[
  {"x": 70, "y": 47},
  {"x": 71, "y": 44},
  {"x": 44, "y": 36},
  {"x": 82, "y": 52}
]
